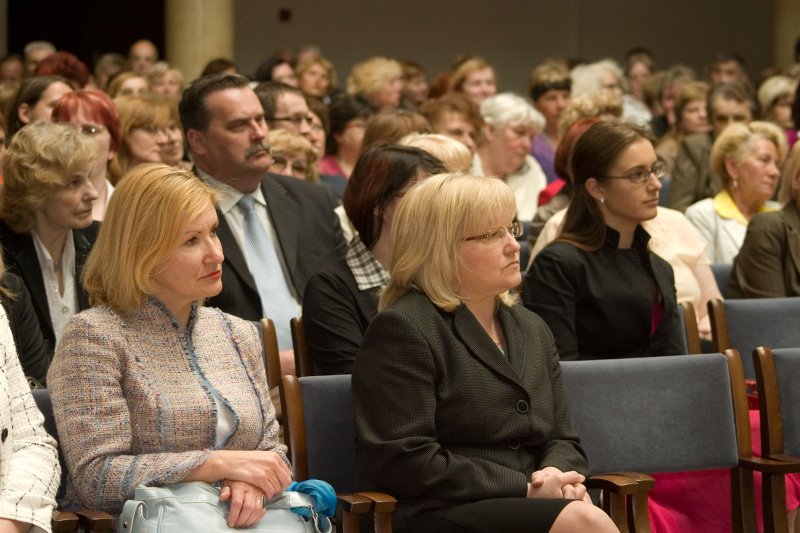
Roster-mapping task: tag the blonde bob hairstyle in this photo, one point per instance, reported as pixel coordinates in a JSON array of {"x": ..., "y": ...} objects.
[
  {"x": 146, "y": 111},
  {"x": 294, "y": 145},
  {"x": 429, "y": 227},
  {"x": 41, "y": 158},
  {"x": 372, "y": 75},
  {"x": 736, "y": 141},
  {"x": 146, "y": 217}
]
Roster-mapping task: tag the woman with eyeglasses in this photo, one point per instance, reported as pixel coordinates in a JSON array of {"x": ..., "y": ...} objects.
[
  {"x": 479, "y": 437},
  {"x": 601, "y": 290},
  {"x": 93, "y": 113},
  {"x": 144, "y": 129},
  {"x": 293, "y": 156}
]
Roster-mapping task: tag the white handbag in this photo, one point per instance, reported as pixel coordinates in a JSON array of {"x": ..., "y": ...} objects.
[{"x": 195, "y": 506}]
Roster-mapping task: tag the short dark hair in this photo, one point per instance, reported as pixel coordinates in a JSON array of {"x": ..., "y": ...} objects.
[
  {"x": 218, "y": 66},
  {"x": 737, "y": 91},
  {"x": 379, "y": 174},
  {"x": 342, "y": 110},
  {"x": 269, "y": 92},
  {"x": 193, "y": 109}
]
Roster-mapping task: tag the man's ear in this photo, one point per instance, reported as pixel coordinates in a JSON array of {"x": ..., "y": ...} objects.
[{"x": 197, "y": 141}]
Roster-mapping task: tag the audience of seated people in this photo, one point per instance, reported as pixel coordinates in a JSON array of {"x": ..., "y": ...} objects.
[{"x": 271, "y": 164}]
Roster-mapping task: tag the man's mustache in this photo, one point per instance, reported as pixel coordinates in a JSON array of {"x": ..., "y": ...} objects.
[{"x": 250, "y": 152}]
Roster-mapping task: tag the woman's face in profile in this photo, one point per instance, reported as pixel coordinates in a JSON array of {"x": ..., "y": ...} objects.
[
  {"x": 70, "y": 206},
  {"x": 194, "y": 269},
  {"x": 489, "y": 261},
  {"x": 625, "y": 203}
]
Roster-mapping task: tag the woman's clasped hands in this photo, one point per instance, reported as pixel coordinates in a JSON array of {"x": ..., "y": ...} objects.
[{"x": 550, "y": 482}]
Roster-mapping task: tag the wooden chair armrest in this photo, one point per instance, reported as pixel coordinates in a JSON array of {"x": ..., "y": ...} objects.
[
  {"x": 382, "y": 502},
  {"x": 770, "y": 465},
  {"x": 645, "y": 482},
  {"x": 383, "y": 505},
  {"x": 784, "y": 458},
  {"x": 614, "y": 483},
  {"x": 354, "y": 503},
  {"x": 64, "y": 521},
  {"x": 95, "y": 521}
]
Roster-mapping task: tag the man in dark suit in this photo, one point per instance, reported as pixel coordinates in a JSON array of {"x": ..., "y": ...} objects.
[{"x": 228, "y": 139}]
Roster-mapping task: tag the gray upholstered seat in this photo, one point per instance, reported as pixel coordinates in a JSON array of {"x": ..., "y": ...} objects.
[{"x": 722, "y": 274}]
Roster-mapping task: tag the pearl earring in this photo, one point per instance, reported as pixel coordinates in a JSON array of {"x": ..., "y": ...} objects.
[
  {"x": 735, "y": 183},
  {"x": 602, "y": 199}
]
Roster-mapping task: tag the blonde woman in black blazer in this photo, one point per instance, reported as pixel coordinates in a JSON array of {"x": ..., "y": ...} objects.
[{"x": 459, "y": 406}]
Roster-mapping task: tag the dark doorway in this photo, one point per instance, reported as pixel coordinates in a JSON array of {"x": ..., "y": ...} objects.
[{"x": 87, "y": 28}]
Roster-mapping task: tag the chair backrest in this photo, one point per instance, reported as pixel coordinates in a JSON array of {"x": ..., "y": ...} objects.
[
  {"x": 272, "y": 355},
  {"x": 303, "y": 364},
  {"x": 653, "y": 414},
  {"x": 785, "y": 379},
  {"x": 747, "y": 324},
  {"x": 319, "y": 425},
  {"x": 722, "y": 274}
]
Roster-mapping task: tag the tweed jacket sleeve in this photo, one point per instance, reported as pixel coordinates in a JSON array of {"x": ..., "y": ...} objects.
[
  {"x": 442, "y": 415},
  {"x": 29, "y": 470}
]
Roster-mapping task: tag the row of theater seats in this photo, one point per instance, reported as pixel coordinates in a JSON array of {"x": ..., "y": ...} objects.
[
  {"x": 699, "y": 401},
  {"x": 613, "y": 404}
]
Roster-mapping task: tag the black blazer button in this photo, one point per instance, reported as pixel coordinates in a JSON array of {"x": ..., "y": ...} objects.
[
  {"x": 513, "y": 444},
  {"x": 522, "y": 406},
  {"x": 4, "y": 435}
]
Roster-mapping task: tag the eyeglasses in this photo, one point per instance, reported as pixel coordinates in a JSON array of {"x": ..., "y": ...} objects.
[
  {"x": 298, "y": 165},
  {"x": 640, "y": 176},
  {"x": 297, "y": 120},
  {"x": 515, "y": 229}
]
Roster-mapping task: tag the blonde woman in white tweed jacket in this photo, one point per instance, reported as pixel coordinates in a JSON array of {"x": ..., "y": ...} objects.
[{"x": 29, "y": 470}]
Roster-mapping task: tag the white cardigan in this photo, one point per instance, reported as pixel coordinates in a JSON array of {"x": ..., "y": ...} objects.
[{"x": 29, "y": 469}]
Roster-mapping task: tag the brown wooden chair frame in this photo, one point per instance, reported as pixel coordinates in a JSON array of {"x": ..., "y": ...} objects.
[
  {"x": 773, "y": 487},
  {"x": 690, "y": 328},
  {"x": 303, "y": 364}
]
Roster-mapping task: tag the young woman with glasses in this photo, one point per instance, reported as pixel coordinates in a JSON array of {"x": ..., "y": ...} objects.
[{"x": 601, "y": 290}]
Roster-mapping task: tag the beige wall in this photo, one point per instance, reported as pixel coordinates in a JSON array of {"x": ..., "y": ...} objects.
[{"x": 512, "y": 34}]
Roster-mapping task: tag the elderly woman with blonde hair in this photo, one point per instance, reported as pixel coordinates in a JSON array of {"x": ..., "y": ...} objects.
[
  {"x": 293, "y": 155},
  {"x": 747, "y": 157},
  {"x": 316, "y": 77},
  {"x": 180, "y": 388},
  {"x": 767, "y": 266},
  {"x": 438, "y": 356},
  {"x": 504, "y": 150},
  {"x": 46, "y": 227},
  {"x": 775, "y": 97},
  {"x": 379, "y": 79}
]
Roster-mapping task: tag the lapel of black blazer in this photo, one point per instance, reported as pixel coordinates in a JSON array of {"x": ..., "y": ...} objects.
[
  {"x": 284, "y": 214},
  {"x": 22, "y": 255},
  {"x": 481, "y": 346},
  {"x": 233, "y": 254}
]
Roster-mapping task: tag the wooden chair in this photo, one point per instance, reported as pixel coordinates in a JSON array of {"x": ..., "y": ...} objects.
[
  {"x": 644, "y": 415},
  {"x": 321, "y": 438},
  {"x": 88, "y": 520},
  {"x": 722, "y": 275},
  {"x": 303, "y": 364},
  {"x": 747, "y": 324},
  {"x": 690, "y": 331},
  {"x": 272, "y": 355},
  {"x": 778, "y": 373}
]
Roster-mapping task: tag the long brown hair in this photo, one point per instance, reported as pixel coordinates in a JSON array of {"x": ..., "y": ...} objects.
[{"x": 594, "y": 154}]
